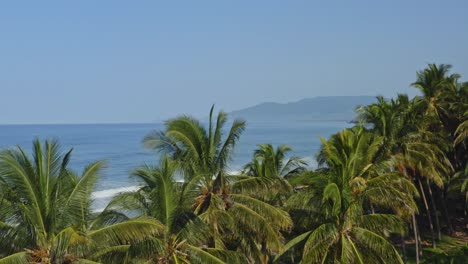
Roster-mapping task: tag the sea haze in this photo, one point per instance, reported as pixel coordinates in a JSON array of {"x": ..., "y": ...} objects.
[
  {"x": 120, "y": 145},
  {"x": 322, "y": 108}
]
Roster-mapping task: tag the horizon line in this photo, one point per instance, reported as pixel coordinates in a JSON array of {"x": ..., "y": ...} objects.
[
  {"x": 79, "y": 123},
  {"x": 162, "y": 121}
]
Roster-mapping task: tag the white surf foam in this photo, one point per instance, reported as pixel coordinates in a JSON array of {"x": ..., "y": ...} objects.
[
  {"x": 98, "y": 210},
  {"x": 109, "y": 193},
  {"x": 311, "y": 162},
  {"x": 112, "y": 192},
  {"x": 234, "y": 172}
]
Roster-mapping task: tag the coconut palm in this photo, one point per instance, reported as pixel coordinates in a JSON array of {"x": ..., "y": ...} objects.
[
  {"x": 415, "y": 148},
  {"x": 462, "y": 136},
  {"x": 386, "y": 116},
  {"x": 463, "y": 174},
  {"x": 199, "y": 151},
  {"x": 271, "y": 168},
  {"x": 462, "y": 132},
  {"x": 236, "y": 220},
  {"x": 445, "y": 99},
  {"x": 160, "y": 197},
  {"x": 46, "y": 214},
  {"x": 346, "y": 229},
  {"x": 436, "y": 85}
]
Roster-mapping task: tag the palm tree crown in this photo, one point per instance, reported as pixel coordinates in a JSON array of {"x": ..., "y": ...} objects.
[
  {"x": 46, "y": 214},
  {"x": 236, "y": 220},
  {"x": 346, "y": 229}
]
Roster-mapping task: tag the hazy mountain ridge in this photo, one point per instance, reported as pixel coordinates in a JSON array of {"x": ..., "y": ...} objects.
[{"x": 327, "y": 108}]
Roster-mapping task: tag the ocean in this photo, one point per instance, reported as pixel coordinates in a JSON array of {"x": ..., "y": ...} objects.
[{"x": 120, "y": 145}]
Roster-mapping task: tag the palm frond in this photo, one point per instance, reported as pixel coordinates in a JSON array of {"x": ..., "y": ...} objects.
[
  {"x": 378, "y": 245},
  {"x": 121, "y": 233},
  {"x": 17, "y": 258}
]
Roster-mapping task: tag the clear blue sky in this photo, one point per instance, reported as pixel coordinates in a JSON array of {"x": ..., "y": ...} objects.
[{"x": 142, "y": 61}]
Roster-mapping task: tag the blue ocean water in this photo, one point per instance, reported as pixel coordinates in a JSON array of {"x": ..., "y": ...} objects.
[{"x": 120, "y": 145}]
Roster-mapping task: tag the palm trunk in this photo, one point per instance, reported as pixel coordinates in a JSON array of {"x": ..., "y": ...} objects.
[
  {"x": 416, "y": 237},
  {"x": 446, "y": 213},
  {"x": 429, "y": 218},
  {"x": 211, "y": 242},
  {"x": 212, "y": 238},
  {"x": 403, "y": 248},
  {"x": 434, "y": 209},
  {"x": 264, "y": 257}
]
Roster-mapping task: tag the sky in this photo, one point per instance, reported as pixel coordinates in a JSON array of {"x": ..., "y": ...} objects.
[{"x": 146, "y": 61}]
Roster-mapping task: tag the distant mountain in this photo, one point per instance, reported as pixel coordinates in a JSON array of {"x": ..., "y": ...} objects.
[{"x": 339, "y": 108}]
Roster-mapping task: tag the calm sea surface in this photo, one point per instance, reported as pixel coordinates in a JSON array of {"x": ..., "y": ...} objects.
[{"x": 120, "y": 145}]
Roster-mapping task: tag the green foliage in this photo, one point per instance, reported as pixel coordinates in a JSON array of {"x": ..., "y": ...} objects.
[
  {"x": 235, "y": 221},
  {"x": 352, "y": 209},
  {"x": 46, "y": 214},
  {"x": 182, "y": 233},
  {"x": 268, "y": 173},
  {"x": 343, "y": 228}
]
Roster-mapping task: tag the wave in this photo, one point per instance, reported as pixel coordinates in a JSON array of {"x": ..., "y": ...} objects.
[
  {"x": 234, "y": 172},
  {"x": 112, "y": 192},
  {"x": 109, "y": 193},
  {"x": 311, "y": 162},
  {"x": 98, "y": 210}
]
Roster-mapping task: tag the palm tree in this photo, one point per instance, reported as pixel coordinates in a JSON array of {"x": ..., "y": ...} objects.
[
  {"x": 415, "y": 148},
  {"x": 346, "y": 229},
  {"x": 236, "y": 221},
  {"x": 444, "y": 99},
  {"x": 271, "y": 169},
  {"x": 200, "y": 152},
  {"x": 462, "y": 136},
  {"x": 462, "y": 132},
  {"x": 46, "y": 214},
  {"x": 184, "y": 234},
  {"x": 435, "y": 84},
  {"x": 464, "y": 183}
]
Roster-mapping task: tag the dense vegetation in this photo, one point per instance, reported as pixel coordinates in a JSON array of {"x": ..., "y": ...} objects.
[{"x": 391, "y": 189}]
